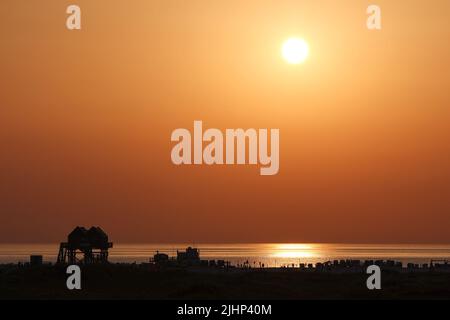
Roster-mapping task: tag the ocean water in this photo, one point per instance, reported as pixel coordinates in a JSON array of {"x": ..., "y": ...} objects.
[{"x": 271, "y": 254}]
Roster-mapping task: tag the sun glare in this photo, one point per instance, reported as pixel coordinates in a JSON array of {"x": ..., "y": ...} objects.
[
  {"x": 294, "y": 251},
  {"x": 295, "y": 50}
]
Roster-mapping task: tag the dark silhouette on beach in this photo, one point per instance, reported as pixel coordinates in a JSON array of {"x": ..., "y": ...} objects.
[{"x": 187, "y": 276}]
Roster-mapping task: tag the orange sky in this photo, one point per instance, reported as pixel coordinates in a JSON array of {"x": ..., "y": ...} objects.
[{"x": 86, "y": 118}]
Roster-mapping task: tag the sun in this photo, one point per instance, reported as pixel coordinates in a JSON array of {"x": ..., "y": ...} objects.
[{"x": 295, "y": 50}]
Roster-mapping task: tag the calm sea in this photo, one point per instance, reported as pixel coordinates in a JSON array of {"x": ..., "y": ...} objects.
[{"x": 268, "y": 253}]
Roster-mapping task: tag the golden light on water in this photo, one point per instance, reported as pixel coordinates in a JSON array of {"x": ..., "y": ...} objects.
[{"x": 294, "y": 251}]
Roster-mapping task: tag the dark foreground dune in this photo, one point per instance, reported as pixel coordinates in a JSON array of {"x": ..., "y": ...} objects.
[{"x": 133, "y": 282}]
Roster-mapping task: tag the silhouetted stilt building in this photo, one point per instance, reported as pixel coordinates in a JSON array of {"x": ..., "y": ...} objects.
[{"x": 92, "y": 244}]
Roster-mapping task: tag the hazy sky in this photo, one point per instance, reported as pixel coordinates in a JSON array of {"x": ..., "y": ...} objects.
[{"x": 86, "y": 118}]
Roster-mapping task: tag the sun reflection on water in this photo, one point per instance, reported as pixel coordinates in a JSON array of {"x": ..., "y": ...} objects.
[{"x": 294, "y": 251}]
